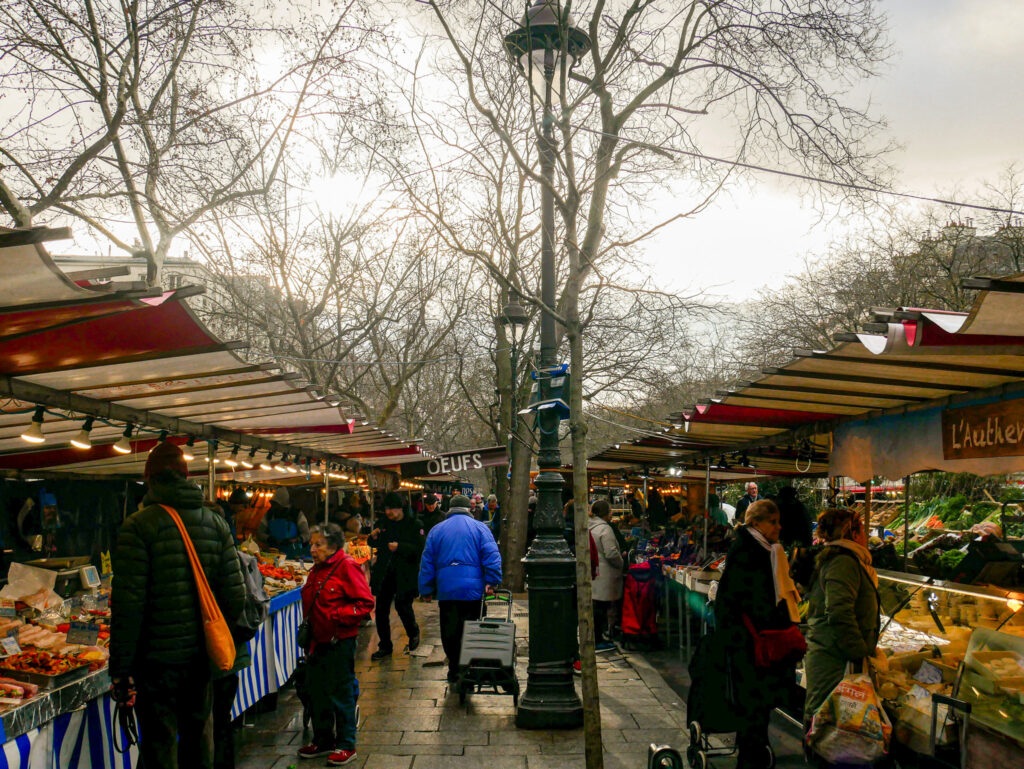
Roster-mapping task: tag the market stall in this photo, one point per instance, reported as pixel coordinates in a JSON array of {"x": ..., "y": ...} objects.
[{"x": 93, "y": 376}]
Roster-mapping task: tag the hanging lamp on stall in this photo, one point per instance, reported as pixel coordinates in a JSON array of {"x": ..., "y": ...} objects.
[
  {"x": 83, "y": 440},
  {"x": 124, "y": 443},
  {"x": 34, "y": 433}
]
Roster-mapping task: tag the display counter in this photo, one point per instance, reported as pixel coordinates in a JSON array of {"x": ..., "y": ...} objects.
[{"x": 74, "y": 727}]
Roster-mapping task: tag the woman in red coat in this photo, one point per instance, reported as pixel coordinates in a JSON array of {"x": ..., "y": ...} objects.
[{"x": 336, "y": 599}]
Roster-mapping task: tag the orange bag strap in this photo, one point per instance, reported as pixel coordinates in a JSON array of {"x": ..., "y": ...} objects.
[{"x": 206, "y": 600}]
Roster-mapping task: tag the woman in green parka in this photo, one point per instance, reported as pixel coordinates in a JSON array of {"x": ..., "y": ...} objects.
[{"x": 842, "y": 613}]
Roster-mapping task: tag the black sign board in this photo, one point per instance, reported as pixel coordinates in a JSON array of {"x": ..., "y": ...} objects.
[{"x": 457, "y": 462}]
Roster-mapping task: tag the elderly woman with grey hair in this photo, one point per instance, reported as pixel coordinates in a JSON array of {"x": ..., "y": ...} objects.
[
  {"x": 493, "y": 516},
  {"x": 335, "y": 599}
]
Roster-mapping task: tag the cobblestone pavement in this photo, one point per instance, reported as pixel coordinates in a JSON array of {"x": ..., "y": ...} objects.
[{"x": 411, "y": 720}]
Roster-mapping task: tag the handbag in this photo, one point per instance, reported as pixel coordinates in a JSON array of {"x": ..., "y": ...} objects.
[
  {"x": 304, "y": 635},
  {"x": 851, "y": 726},
  {"x": 774, "y": 647},
  {"x": 220, "y": 646}
]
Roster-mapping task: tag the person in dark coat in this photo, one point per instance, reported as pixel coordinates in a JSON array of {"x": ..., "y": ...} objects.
[
  {"x": 432, "y": 514},
  {"x": 796, "y": 523},
  {"x": 158, "y": 655},
  {"x": 394, "y": 576},
  {"x": 284, "y": 526},
  {"x": 749, "y": 587},
  {"x": 749, "y": 498},
  {"x": 656, "y": 515}
]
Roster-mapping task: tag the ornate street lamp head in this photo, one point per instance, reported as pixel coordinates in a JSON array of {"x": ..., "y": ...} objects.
[
  {"x": 515, "y": 319},
  {"x": 545, "y": 30}
]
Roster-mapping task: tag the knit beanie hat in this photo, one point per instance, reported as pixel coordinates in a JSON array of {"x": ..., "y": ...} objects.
[
  {"x": 459, "y": 501},
  {"x": 393, "y": 502},
  {"x": 165, "y": 456},
  {"x": 281, "y": 496},
  {"x": 238, "y": 497}
]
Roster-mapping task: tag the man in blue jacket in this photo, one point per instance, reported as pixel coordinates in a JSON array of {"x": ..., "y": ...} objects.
[{"x": 460, "y": 563}]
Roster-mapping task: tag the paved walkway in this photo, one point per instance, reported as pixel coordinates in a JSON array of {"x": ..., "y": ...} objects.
[{"x": 411, "y": 720}]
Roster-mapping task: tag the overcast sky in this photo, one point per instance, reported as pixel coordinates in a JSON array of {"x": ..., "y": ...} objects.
[{"x": 953, "y": 98}]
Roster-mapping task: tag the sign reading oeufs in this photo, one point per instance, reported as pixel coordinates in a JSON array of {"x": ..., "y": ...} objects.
[
  {"x": 457, "y": 462},
  {"x": 992, "y": 430}
]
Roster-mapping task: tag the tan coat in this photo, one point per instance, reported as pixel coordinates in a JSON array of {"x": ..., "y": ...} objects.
[{"x": 607, "y": 584}]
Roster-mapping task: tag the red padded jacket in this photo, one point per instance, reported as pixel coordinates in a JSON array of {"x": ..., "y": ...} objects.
[{"x": 343, "y": 603}]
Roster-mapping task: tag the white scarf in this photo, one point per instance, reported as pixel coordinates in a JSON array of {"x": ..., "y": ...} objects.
[
  {"x": 863, "y": 556},
  {"x": 785, "y": 589}
]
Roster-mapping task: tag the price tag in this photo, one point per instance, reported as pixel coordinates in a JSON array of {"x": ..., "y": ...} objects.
[
  {"x": 928, "y": 674},
  {"x": 105, "y": 567},
  {"x": 7, "y": 608},
  {"x": 14, "y": 632},
  {"x": 84, "y": 633},
  {"x": 10, "y": 645}
]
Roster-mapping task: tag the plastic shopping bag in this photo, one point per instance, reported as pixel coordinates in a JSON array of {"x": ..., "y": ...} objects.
[{"x": 850, "y": 727}]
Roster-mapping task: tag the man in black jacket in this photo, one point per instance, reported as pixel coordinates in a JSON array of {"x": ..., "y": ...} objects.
[
  {"x": 157, "y": 645},
  {"x": 432, "y": 514},
  {"x": 393, "y": 577},
  {"x": 746, "y": 501}
]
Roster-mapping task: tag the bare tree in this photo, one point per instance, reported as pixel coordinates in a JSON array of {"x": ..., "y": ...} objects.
[{"x": 160, "y": 111}]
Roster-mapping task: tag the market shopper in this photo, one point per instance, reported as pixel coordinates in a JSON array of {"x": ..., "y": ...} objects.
[
  {"x": 393, "y": 578},
  {"x": 493, "y": 516},
  {"x": 460, "y": 564},
  {"x": 335, "y": 599},
  {"x": 796, "y": 522},
  {"x": 755, "y": 585},
  {"x": 157, "y": 645},
  {"x": 284, "y": 527},
  {"x": 716, "y": 512},
  {"x": 842, "y": 613},
  {"x": 432, "y": 514},
  {"x": 607, "y": 584},
  {"x": 750, "y": 497},
  {"x": 233, "y": 508}
]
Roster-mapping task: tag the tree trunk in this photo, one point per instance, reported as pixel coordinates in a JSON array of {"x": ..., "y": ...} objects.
[{"x": 585, "y": 608}]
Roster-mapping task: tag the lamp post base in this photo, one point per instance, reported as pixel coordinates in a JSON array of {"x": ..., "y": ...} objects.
[{"x": 550, "y": 700}]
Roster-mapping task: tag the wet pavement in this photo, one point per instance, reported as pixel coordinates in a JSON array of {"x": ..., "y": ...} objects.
[{"x": 410, "y": 719}]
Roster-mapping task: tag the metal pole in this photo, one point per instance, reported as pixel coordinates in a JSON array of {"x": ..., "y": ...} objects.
[
  {"x": 906, "y": 518},
  {"x": 327, "y": 493},
  {"x": 647, "y": 503},
  {"x": 550, "y": 700},
  {"x": 867, "y": 509},
  {"x": 211, "y": 470},
  {"x": 707, "y": 507}
]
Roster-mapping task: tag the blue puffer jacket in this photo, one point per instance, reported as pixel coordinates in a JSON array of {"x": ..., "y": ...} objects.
[{"x": 459, "y": 559}]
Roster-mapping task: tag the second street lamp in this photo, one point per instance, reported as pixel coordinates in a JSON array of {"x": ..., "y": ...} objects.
[{"x": 545, "y": 47}]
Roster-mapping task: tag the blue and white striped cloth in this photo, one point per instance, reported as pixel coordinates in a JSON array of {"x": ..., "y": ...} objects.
[
  {"x": 286, "y": 647},
  {"x": 254, "y": 682},
  {"x": 83, "y": 739}
]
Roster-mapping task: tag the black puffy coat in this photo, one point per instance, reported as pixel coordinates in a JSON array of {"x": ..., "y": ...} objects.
[
  {"x": 747, "y": 588},
  {"x": 155, "y": 618},
  {"x": 405, "y": 560}
]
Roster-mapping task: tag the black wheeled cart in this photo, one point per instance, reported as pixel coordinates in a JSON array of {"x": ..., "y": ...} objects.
[{"x": 487, "y": 659}]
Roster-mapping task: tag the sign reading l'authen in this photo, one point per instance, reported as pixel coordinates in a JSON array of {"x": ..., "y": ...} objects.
[
  {"x": 457, "y": 462},
  {"x": 992, "y": 430}
]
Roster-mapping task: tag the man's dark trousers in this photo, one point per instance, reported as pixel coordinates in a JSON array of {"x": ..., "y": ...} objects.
[
  {"x": 403, "y": 605},
  {"x": 453, "y": 614},
  {"x": 173, "y": 709}
]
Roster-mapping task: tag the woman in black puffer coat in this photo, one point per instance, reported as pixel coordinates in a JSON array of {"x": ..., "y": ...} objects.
[{"x": 747, "y": 588}]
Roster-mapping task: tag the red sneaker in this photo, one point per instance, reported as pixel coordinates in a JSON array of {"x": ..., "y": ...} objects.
[
  {"x": 577, "y": 669},
  {"x": 314, "y": 751},
  {"x": 341, "y": 757}
]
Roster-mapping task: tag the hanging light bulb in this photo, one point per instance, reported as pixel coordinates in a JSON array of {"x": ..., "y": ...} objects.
[
  {"x": 82, "y": 440},
  {"x": 232, "y": 461},
  {"x": 187, "y": 450},
  {"x": 282, "y": 466},
  {"x": 124, "y": 444},
  {"x": 162, "y": 437},
  {"x": 291, "y": 467},
  {"x": 267, "y": 464},
  {"x": 247, "y": 463},
  {"x": 34, "y": 433}
]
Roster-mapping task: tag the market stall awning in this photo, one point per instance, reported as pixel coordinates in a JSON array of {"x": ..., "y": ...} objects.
[
  {"x": 906, "y": 360},
  {"x": 147, "y": 361}
]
